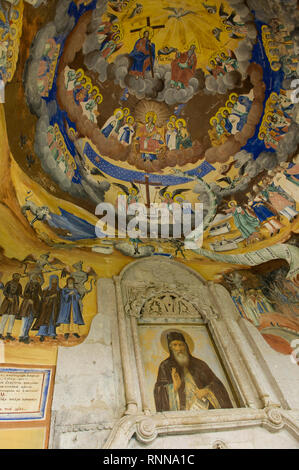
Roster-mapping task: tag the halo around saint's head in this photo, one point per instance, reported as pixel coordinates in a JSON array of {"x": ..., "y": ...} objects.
[
  {"x": 151, "y": 114},
  {"x": 178, "y": 198},
  {"x": 99, "y": 98},
  {"x": 150, "y": 31},
  {"x": 130, "y": 119},
  {"x": 119, "y": 110},
  {"x": 133, "y": 191},
  {"x": 72, "y": 131},
  {"x": 223, "y": 112},
  {"x": 173, "y": 118},
  {"x": 262, "y": 135},
  {"x": 194, "y": 44},
  {"x": 79, "y": 74},
  {"x": 182, "y": 121},
  {"x": 115, "y": 27},
  {"x": 233, "y": 96},
  {"x": 274, "y": 97},
  {"x": 187, "y": 337}
]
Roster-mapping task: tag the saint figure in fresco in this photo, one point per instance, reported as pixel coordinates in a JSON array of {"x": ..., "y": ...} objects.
[
  {"x": 171, "y": 136},
  {"x": 30, "y": 307},
  {"x": 50, "y": 304},
  {"x": 10, "y": 305},
  {"x": 150, "y": 138},
  {"x": 245, "y": 223},
  {"x": 70, "y": 312},
  {"x": 143, "y": 54},
  {"x": 127, "y": 131},
  {"x": 187, "y": 383},
  {"x": 183, "y": 137},
  {"x": 266, "y": 217},
  {"x": 183, "y": 68},
  {"x": 111, "y": 125}
]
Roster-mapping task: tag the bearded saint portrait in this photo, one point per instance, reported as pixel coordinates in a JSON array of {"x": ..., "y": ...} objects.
[{"x": 187, "y": 383}]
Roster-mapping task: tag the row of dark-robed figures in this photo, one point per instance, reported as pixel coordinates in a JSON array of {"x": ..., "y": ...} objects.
[{"x": 41, "y": 310}]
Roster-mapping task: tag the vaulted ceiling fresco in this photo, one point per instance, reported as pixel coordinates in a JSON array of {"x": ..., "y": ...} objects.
[{"x": 158, "y": 103}]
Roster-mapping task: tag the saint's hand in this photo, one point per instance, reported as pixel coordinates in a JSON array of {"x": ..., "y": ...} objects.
[
  {"x": 201, "y": 393},
  {"x": 176, "y": 379}
]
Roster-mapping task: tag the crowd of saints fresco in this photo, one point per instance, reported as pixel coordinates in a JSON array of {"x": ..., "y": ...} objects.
[
  {"x": 158, "y": 102},
  {"x": 39, "y": 304},
  {"x": 270, "y": 302}
]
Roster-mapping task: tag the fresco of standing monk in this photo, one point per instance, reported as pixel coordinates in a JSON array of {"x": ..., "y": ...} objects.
[{"x": 187, "y": 383}]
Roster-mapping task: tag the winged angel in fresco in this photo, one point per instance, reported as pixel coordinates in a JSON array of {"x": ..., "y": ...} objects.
[
  {"x": 80, "y": 278},
  {"x": 179, "y": 13},
  {"x": 38, "y": 266}
]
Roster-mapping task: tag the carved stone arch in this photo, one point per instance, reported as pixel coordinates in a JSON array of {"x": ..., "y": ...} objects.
[
  {"x": 170, "y": 304},
  {"x": 161, "y": 269},
  {"x": 152, "y": 279},
  {"x": 154, "y": 276}
]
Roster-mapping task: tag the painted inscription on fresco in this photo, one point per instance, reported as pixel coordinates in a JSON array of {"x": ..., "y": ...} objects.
[{"x": 23, "y": 393}]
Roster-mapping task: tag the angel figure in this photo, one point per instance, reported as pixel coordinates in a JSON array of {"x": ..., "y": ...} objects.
[
  {"x": 211, "y": 9},
  {"x": 35, "y": 267},
  {"x": 132, "y": 193},
  {"x": 238, "y": 30},
  {"x": 179, "y": 13},
  {"x": 170, "y": 198}
]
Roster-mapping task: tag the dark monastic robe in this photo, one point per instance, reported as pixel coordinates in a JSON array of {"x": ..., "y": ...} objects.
[
  {"x": 50, "y": 306},
  {"x": 32, "y": 298},
  {"x": 10, "y": 304},
  {"x": 203, "y": 377}
]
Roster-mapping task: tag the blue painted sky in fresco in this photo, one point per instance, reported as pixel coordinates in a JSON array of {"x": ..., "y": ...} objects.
[{"x": 273, "y": 81}]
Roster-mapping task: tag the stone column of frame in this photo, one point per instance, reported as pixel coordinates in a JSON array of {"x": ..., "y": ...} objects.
[
  {"x": 131, "y": 400},
  {"x": 139, "y": 363},
  {"x": 244, "y": 350},
  {"x": 226, "y": 344}
]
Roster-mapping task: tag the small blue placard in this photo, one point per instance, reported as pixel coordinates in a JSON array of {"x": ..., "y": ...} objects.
[{"x": 23, "y": 393}]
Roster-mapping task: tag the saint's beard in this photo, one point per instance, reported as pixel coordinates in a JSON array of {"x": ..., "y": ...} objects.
[{"x": 182, "y": 358}]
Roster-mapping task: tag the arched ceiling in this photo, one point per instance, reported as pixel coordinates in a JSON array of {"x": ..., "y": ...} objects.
[{"x": 157, "y": 102}]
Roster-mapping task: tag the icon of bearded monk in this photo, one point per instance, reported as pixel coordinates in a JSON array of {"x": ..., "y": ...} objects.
[{"x": 185, "y": 382}]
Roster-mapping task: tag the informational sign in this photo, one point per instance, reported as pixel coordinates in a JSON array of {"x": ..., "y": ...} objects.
[{"x": 24, "y": 393}]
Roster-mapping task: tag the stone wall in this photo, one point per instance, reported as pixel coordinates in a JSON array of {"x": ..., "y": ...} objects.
[{"x": 99, "y": 399}]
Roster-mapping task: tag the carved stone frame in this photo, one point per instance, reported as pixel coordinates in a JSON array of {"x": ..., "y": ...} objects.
[{"x": 260, "y": 397}]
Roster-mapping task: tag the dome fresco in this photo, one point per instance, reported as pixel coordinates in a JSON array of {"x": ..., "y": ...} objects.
[{"x": 197, "y": 100}]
